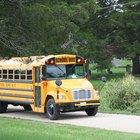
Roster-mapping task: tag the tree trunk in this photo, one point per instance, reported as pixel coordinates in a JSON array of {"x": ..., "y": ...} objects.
[{"x": 136, "y": 64}]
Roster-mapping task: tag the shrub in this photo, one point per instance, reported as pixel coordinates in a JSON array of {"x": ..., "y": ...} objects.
[{"x": 123, "y": 94}]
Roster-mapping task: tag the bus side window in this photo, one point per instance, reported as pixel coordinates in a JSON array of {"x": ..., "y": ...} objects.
[
  {"x": 0, "y": 73},
  {"x": 43, "y": 72},
  {"x": 4, "y": 73},
  {"x": 10, "y": 74},
  {"x": 23, "y": 74},
  {"x": 16, "y": 74},
  {"x": 29, "y": 74}
]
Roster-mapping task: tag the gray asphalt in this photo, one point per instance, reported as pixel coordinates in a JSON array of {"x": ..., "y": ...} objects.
[{"x": 124, "y": 123}]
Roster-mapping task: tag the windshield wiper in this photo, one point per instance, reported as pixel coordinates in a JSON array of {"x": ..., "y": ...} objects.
[
  {"x": 60, "y": 69},
  {"x": 67, "y": 73}
]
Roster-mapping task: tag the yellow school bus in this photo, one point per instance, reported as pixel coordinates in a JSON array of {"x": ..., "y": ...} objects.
[{"x": 48, "y": 84}]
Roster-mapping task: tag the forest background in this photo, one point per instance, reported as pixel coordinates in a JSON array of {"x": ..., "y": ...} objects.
[{"x": 96, "y": 29}]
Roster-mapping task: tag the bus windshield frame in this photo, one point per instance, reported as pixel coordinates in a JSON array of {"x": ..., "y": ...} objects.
[{"x": 63, "y": 71}]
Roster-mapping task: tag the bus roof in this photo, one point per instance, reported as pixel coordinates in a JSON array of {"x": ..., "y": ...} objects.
[{"x": 29, "y": 61}]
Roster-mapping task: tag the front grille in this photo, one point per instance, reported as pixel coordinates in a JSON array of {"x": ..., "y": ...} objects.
[{"x": 81, "y": 94}]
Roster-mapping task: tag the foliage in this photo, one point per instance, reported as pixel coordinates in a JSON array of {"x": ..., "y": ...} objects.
[
  {"x": 117, "y": 23},
  {"x": 40, "y": 27},
  {"x": 125, "y": 34},
  {"x": 122, "y": 94}
]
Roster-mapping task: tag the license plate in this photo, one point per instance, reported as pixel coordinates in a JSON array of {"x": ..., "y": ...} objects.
[{"x": 83, "y": 103}]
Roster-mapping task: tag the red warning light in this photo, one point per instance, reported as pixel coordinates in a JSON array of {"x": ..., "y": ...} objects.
[{"x": 50, "y": 61}]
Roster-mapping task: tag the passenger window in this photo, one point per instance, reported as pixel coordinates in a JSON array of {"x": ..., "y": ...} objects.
[
  {"x": 10, "y": 72},
  {"x": 23, "y": 74},
  {"x": 4, "y": 73},
  {"x": 29, "y": 71},
  {"x": 0, "y": 73},
  {"x": 29, "y": 74},
  {"x": 16, "y": 74}
]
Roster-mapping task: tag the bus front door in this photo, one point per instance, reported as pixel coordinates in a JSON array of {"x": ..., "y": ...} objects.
[{"x": 37, "y": 89}]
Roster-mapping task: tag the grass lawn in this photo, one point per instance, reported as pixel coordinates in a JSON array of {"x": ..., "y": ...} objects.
[
  {"x": 96, "y": 76},
  {"x": 118, "y": 72},
  {"x": 14, "y": 129}
]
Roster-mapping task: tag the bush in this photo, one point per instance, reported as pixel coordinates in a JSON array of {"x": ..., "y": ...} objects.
[{"x": 122, "y": 94}]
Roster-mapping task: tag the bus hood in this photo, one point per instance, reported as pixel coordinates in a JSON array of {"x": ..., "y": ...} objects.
[{"x": 76, "y": 84}]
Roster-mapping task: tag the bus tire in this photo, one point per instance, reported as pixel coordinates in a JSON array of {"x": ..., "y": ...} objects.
[
  {"x": 3, "y": 107},
  {"x": 52, "y": 110},
  {"x": 91, "y": 111},
  {"x": 27, "y": 107}
]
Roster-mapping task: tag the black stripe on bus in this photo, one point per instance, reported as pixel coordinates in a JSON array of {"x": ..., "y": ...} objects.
[
  {"x": 17, "y": 89},
  {"x": 17, "y": 101},
  {"x": 18, "y": 96},
  {"x": 16, "y": 81}
]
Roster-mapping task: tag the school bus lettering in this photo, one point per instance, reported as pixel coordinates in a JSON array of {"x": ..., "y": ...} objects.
[
  {"x": 72, "y": 59},
  {"x": 49, "y": 84},
  {"x": 62, "y": 60}
]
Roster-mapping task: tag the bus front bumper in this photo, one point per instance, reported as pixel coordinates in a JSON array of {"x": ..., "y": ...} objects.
[{"x": 77, "y": 106}]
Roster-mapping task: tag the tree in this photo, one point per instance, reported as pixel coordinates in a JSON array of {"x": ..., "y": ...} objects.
[
  {"x": 12, "y": 36},
  {"x": 125, "y": 35},
  {"x": 38, "y": 27},
  {"x": 116, "y": 24},
  {"x": 102, "y": 29}
]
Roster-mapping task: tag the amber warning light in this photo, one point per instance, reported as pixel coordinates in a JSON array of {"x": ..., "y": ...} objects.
[{"x": 80, "y": 60}]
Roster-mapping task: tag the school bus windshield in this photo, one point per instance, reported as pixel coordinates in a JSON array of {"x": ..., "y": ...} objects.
[{"x": 71, "y": 71}]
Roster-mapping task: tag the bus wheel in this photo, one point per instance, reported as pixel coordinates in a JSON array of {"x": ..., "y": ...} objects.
[
  {"x": 27, "y": 107},
  {"x": 52, "y": 111},
  {"x": 3, "y": 107},
  {"x": 91, "y": 111}
]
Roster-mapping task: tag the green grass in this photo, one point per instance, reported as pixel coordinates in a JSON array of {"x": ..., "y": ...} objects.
[
  {"x": 118, "y": 72},
  {"x": 126, "y": 62},
  {"x": 13, "y": 129}
]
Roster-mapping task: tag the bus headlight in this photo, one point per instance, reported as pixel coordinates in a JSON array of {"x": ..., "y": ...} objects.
[
  {"x": 60, "y": 97},
  {"x": 97, "y": 95}
]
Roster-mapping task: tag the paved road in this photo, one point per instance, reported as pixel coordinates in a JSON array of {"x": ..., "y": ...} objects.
[{"x": 125, "y": 123}]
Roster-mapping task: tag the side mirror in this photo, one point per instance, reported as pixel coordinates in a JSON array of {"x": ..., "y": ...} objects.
[
  {"x": 88, "y": 74},
  {"x": 103, "y": 79},
  {"x": 58, "y": 82}
]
